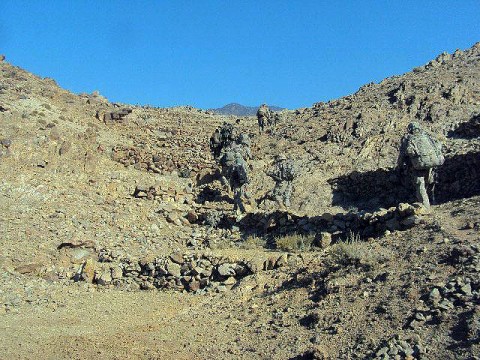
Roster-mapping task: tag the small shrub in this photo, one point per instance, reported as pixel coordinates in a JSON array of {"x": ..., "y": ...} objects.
[
  {"x": 254, "y": 242},
  {"x": 353, "y": 251},
  {"x": 295, "y": 242}
]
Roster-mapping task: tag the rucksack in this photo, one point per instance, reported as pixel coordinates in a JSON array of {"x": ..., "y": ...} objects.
[
  {"x": 424, "y": 152},
  {"x": 288, "y": 172},
  {"x": 240, "y": 175}
]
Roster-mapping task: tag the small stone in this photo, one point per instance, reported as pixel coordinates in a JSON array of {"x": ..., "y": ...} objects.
[
  {"x": 192, "y": 217},
  {"x": 382, "y": 351},
  {"x": 174, "y": 269},
  {"x": 103, "y": 278},
  {"x": 147, "y": 285},
  {"x": 445, "y": 305},
  {"x": 194, "y": 285},
  {"x": 282, "y": 261},
  {"x": 230, "y": 281},
  {"x": 28, "y": 268},
  {"x": 269, "y": 264},
  {"x": 88, "y": 271},
  {"x": 117, "y": 272},
  {"x": 466, "y": 289},
  {"x": 177, "y": 258},
  {"x": 226, "y": 269},
  {"x": 6, "y": 143},
  {"x": 64, "y": 148},
  {"x": 435, "y": 296}
]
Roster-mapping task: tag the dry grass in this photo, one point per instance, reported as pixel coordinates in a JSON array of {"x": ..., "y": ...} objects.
[
  {"x": 354, "y": 251},
  {"x": 294, "y": 242},
  {"x": 254, "y": 242}
]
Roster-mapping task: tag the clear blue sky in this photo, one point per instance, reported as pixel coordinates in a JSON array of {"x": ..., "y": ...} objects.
[{"x": 210, "y": 53}]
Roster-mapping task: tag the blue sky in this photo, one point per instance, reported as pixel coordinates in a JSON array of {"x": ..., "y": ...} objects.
[{"x": 210, "y": 53}]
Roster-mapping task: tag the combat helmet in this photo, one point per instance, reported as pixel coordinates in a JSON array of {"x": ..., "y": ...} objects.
[
  {"x": 413, "y": 127},
  {"x": 244, "y": 139}
]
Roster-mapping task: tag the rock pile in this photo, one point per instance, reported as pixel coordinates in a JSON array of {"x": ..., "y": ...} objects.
[
  {"x": 461, "y": 291},
  {"x": 189, "y": 272},
  {"x": 117, "y": 116},
  {"x": 159, "y": 161},
  {"x": 398, "y": 348},
  {"x": 364, "y": 224}
]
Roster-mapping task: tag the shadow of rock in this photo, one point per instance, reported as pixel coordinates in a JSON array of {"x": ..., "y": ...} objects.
[
  {"x": 467, "y": 130},
  {"x": 457, "y": 178}
]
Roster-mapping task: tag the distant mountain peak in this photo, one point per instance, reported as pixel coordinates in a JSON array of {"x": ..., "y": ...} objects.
[{"x": 241, "y": 110}]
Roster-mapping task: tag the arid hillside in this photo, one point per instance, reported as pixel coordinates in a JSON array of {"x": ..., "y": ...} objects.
[{"x": 118, "y": 240}]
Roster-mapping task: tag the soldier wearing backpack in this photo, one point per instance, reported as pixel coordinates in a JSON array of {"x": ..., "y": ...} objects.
[
  {"x": 421, "y": 154},
  {"x": 263, "y": 116},
  {"x": 216, "y": 144},
  {"x": 283, "y": 174},
  {"x": 238, "y": 182}
]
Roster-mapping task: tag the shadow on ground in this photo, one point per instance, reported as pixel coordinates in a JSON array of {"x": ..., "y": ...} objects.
[{"x": 458, "y": 178}]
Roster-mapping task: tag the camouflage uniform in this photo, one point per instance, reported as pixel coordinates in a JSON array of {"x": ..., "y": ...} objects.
[
  {"x": 227, "y": 162},
  {"x": 283, "y": 175},
  {"x": 263, "y": 115},
  {"x": 276, "y": 119},
  {"x": 226, "y": 134},
  {"x": 420, "y": 153},
  {"x": 243, "y": 144},
  {"x": 216, "y": 144},
  {"x": 238, "y": 182}
]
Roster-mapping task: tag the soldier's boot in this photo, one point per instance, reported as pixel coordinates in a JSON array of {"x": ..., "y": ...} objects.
[{"x": 421, "y": 191}]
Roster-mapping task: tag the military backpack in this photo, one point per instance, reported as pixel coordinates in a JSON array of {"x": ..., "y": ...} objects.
[{"x": 424, "y": 152}]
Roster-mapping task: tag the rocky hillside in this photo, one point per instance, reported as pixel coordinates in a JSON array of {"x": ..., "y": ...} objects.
[
  {"x": 118, "y": 240},
  {"x": 241, "y": 110}
]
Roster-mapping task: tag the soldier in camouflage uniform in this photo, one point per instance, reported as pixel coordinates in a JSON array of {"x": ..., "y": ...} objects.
[
  {"x": 420, "y": 154},
  {"x": 243, "y": 144},
  {"x": 276, "y": 119},
  {"x": 263, "y": 116},
  {"x": 227, "y": 162},
  {"x": 283, "y": 174},
  {"x": 216, "y": 144},
  {"x": 221, "y": 139},
  {"x": 238, "y": 182}
]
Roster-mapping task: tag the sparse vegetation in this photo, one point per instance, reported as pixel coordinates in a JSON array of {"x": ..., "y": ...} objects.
[
  {"x": 295, "y": 242},
  {"x": 254, "y": 242},
  {"x": 354, "y": 251}
]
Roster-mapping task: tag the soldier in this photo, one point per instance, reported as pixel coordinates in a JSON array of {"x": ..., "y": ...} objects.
[
  {"x": 221, "y": 139},
  {"x": 216, "y": 143},
  {"x": 283, "y": 175},
  {"x": 263, "y": 115},
  {"x": 227, "y": 162},
  {"x": 227, "y": 134},
  {"x": 243, "y": 143},
  {"x": 276, "y": 119},
  {"x": 420, "y": 154},
  {"x": 238, "y": 182}
]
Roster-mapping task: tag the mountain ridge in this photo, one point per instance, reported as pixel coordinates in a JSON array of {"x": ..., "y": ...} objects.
[{"x": 237, "y": 109}]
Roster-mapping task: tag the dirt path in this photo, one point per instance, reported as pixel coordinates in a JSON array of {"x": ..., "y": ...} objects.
[{"x": 100, "y": 325}]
